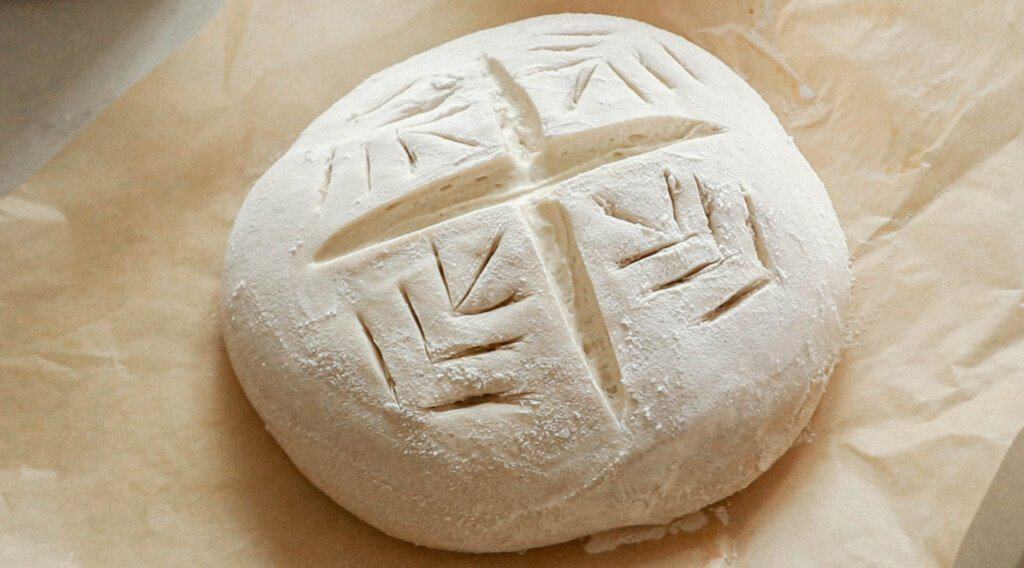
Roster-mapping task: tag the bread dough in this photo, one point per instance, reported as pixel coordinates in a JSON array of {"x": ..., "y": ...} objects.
[{"x": 548, "y": 279}]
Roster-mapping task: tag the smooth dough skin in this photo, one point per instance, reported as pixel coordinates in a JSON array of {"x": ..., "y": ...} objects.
[{"x": 548, "y": 279}]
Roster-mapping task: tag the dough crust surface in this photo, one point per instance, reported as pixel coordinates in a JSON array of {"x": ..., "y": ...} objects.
[{"x": 548, "y": 279}]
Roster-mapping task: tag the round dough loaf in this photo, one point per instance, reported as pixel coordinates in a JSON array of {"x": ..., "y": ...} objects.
[{"x": 552, "y": 278}]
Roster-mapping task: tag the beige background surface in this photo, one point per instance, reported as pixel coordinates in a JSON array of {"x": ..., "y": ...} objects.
[
  {"x": 125, "y": 438},
  {"x": 64, "y": 61}
]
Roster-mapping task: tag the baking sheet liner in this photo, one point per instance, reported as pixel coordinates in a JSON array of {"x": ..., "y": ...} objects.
[{"x": 126, "y": 440}]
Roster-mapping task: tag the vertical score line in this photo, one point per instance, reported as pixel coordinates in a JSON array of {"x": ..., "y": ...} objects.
[{"x": 555, "y": 242}]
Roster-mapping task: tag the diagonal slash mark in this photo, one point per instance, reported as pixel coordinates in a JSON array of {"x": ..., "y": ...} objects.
[
  {"x": 387, "y": 100},
  {"x": 381, "y": 364},
  {"x": 736, "y": 299},
  {"x": 688, "y": 275},
  {"x": 477, "y": 350},
  {"x": 448, "y": 137},
  {"x": 582, "y": 81},
  {"x": 328, "y": 175},
  {"x": 659, "y": 76},
  {"x": 410, "y": 156},
  {"x": 368, "y": 173},
  {"x": 423, "y": 109},
  {"x": 440, "y": 271},
  {"x": 483, "y": 265},
  {"x": 628, "y": 83},
  {"x": 512, "y": 298},
  {"x": 566, "y": 47},
  {"x": 609, "y": 209},
  {"x": 672, "y": 186},
  {"x": 679, "y": 61},
  {"x": 506, "y": 397},
  {"x": 415, "y": 318}
]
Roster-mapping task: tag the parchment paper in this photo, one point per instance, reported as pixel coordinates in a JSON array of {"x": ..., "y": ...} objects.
[{"x": 125, "y": 439}]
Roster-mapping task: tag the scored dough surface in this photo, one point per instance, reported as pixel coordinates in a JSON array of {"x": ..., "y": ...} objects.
[{"x": 548, "y": 279}]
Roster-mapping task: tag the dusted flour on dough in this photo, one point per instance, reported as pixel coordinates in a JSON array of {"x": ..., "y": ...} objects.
[{"x": 546, "y": 280}]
